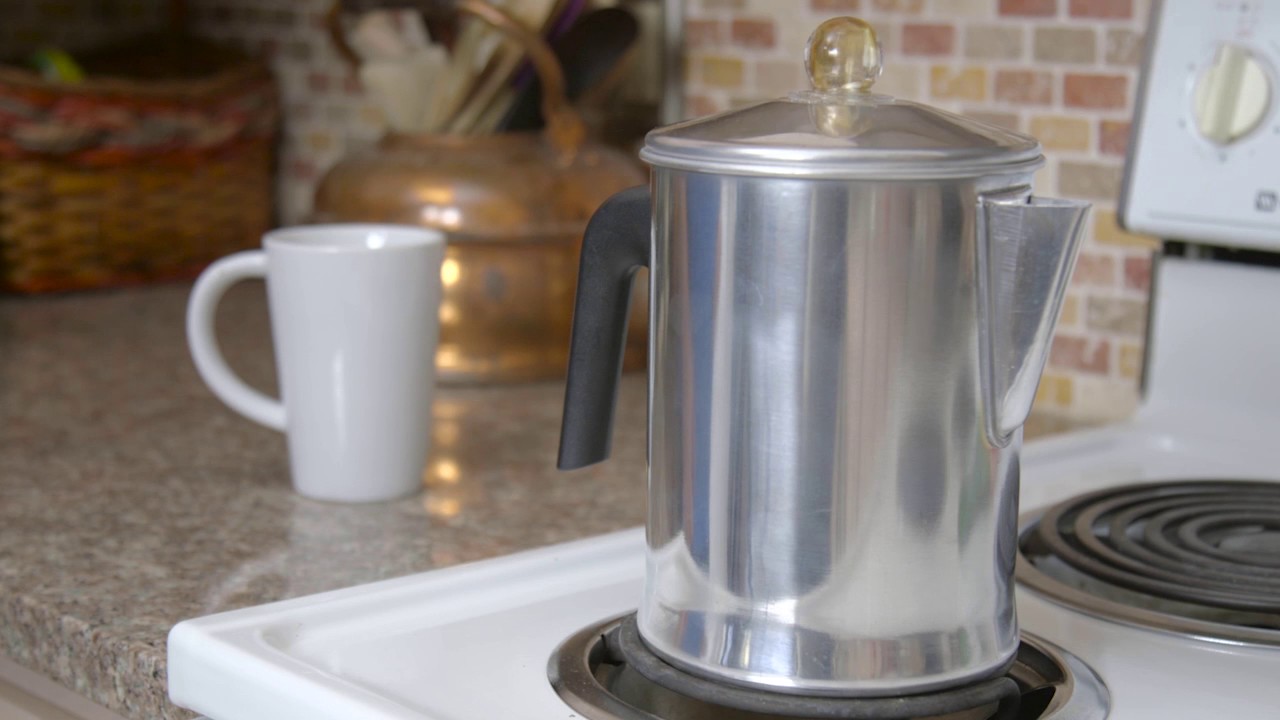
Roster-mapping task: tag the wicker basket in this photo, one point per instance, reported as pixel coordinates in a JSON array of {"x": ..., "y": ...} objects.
[{"x": 112, "y": 182}]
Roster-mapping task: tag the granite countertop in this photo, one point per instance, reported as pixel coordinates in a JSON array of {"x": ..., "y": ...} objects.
[{"x": 130, "y": 498}]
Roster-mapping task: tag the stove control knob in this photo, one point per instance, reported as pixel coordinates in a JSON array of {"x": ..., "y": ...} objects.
[{"x": 1232, "y": 95}]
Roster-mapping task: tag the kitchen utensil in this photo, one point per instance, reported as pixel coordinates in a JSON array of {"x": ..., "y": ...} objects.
[
  {"x": 565, "y": 127},
  {"x": 353, "y": 318},
  {"x": 414, "y": 32},
  {"x": 514, "y": 207},
  {"x": 559, "y": 20},
  {"x": 591, "y": 52},
  {"x": 852, "y": 301},
  {"x": 402, "y": 87},
  {"x": 495, "y": 62},
  {"x": 470, "y": 48},
  {"x": 399, "y": 68},
  {"x": 376, "y": 37}
]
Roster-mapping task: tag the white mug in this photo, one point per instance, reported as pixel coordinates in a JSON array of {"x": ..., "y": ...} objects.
[{"x": 354, "y": 319}]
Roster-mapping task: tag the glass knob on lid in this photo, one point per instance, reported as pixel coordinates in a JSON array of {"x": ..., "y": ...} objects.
[{"x": 843, "y": 55}]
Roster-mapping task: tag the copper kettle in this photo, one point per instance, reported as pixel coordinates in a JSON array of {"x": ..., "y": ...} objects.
[{"x": 513, "y": 206}]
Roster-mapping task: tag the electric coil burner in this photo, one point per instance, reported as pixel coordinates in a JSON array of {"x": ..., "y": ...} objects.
[
  {"x": 605, "y": 672},
  {"x": 1198, "y": 557}
]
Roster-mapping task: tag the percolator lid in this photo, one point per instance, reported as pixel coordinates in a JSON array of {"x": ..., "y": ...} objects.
[{"x": 840, "y": 129}]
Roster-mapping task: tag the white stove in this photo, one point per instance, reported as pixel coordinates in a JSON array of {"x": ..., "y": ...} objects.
[
  {"x": 476, "y": 641},
  {"x": 1202, "y": 169}
]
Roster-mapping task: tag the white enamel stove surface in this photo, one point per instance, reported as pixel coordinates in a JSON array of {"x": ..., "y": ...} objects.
[
  {"x": 472, "y": 642},
  {"x": 1152, "y": 675},
  {"x": 464, "y": 643},
  {"x": 1212, "y": 412}
]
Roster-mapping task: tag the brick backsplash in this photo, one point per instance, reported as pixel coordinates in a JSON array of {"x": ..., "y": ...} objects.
[
  {"x": 1062, "y": 70},
  {"x": 326, "y": 112},
  {"x": 1024, "y": 87}
]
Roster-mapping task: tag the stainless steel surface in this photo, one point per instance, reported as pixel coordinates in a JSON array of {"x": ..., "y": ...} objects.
[
  {"x": 808, "y": 135},
  {"x": 840, "y": 129},
  {"x": 584, "y": 676},
  {"x": 827, "y": 513},
  {"x": 1023, "y": 271},
  {"x": 841, "y": 362}
]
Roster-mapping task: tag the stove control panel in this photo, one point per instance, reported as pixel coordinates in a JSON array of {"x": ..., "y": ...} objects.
[{"x": 1204, "y": 157}]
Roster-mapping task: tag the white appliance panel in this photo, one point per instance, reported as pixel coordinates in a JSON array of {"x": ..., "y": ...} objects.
[{"x": 1183, "y": 183}]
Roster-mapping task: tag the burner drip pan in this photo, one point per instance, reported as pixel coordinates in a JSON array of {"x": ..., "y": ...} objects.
[
  {"x": 1198, "y": 557},
  {"x": 606, "y": 673}
]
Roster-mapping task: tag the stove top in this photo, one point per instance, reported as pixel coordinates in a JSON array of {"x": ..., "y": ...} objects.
[
  {"x": 1106, "y": 512},
  {"x": 1199, "y": 557},
  {"x": 430, "y": 646},
  {"x": 544, "y": 626}
]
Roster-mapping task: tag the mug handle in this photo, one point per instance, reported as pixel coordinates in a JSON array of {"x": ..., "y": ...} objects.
[{"x": 205, "y": 296}]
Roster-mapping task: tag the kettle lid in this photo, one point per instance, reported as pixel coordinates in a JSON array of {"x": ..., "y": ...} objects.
[{"x": 840, "y": 129}]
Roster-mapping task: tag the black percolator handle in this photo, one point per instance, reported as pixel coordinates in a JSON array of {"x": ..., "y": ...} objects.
[{"x": 617, "y": 244}]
